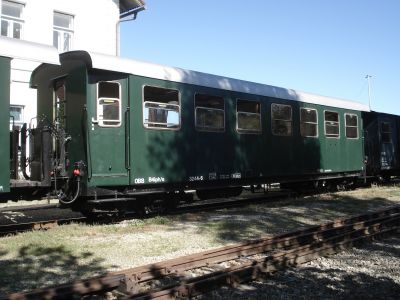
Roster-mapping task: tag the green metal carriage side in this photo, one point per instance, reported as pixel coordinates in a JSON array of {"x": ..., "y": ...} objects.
[
  {"x": 124, "y": 155},
  {"x": 5, "y": 124},
  {"x": 189, "y": 155}
]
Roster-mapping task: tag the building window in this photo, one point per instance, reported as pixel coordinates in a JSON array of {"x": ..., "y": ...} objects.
[
  {"x": 281, "y": 118},
  {"x": 308, "y": 122},
  {"x": 161, "y": 108},
  {"x": 109, "y": 104},
  {"x": 209, "y": 113},
  {"x": 351, "y": 123},
  {"x": 332, "y": 124},
  {"x": 11, "y": 19},
  {"x": 248, "y": 116},
  {"x": 63, "y": 31},
  {"x": 16, "y": 116},
  {"x": 386, "y": 132}
]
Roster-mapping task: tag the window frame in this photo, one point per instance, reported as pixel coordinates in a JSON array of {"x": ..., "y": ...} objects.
[
  {"x": 204, "y": 129},
  {"x": 11, "y": 20},
  {"x": 346, "y": 126},
  {"x": 314, "y": 123},
  {"x": 153, "y": 102},
  {"x": 61, "y": 31},
  {"x": 387, "y": 132},
  {"x": 338, "y": 122},
  {"x": 291, "y": 120},
  {"x": 101, "y": 121},
  {"x": 248, "y": 131}
]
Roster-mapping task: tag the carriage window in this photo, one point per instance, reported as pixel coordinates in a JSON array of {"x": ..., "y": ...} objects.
[
  {"x": 161, "y": 108},
  {"x": 281, "y": 118},
  {"x": 351, "y": 123},
  {"x": 386, "y": 132},
  {"x": 248, "y": 116},
  {"x": 109, "y": 104},
  {"x": 209, "y": 113},
  {"x": 331, "y": 124},
  {"x": 308, "y": 122}
]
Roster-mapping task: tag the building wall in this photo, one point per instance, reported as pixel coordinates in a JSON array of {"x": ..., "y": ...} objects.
[
  {"x": 94, "y": 22},
  {"x": 94, "y": 29}
]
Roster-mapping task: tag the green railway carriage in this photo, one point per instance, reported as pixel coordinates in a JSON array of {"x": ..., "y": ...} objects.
[
  {"x": 4, "y": 124},
  {"x": 23, "y": 53},
  {"x": 131, "y": 129}
]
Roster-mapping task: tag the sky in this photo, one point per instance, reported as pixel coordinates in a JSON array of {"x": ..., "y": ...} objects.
[{"x": 317, "y": 46}]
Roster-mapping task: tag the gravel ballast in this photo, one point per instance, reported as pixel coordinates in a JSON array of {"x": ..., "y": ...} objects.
[{"x": 370, "y": 271}]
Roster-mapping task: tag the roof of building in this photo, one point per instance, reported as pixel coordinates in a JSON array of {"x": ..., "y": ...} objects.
[
  {"x": 129, "y": 66},
  {"x": 128, "y": 7},
  {"x": 20, "y": 49}
]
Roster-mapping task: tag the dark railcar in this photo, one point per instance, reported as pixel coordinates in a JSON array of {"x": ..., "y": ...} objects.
[{"x": 382, "y": 134}]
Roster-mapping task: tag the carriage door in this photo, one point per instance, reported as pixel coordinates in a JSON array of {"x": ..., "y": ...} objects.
[{"x": 108, "y": 143}]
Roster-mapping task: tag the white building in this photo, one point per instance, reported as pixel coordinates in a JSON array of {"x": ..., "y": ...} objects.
[{"x": 91, "y": 25}]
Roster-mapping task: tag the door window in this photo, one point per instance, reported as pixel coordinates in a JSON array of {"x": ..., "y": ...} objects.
[
  {"x": 109, "y": 104},
  {"x": 386, "y": 133},
  {"x": 351, "y": 123},
  {"x": 332, "y": 124}
]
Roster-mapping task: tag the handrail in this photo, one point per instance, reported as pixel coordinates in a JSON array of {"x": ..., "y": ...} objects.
[{"x": 127, "y": 139}]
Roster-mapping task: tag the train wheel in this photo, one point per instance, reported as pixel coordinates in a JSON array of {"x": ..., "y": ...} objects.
[{"x": 171, "y": 204}]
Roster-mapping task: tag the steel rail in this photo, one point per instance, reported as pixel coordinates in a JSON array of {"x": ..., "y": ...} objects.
[
  {"x": 70, "y": 291},
  {"x": 12, "y": 228},
  {"x": 251, "y": 269},
  {"x": 31, "y": 207},
  {"x": 174, "y": 267},
  {"x": 278, "y": 251}
]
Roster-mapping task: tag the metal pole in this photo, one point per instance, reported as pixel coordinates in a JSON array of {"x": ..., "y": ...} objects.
[
  {"x": 117, "y": 33},
  {"x": 117, "y": 26},
  {"x": 369, "y": 90}
]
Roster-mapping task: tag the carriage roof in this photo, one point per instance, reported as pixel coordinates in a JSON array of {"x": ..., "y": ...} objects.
[{"x": 151, "y": 70}]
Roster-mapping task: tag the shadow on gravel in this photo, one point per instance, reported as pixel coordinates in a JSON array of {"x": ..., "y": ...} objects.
[
  {"x": 369, "y": 273},
  {"x": 308, "y": 284},
  {"x": 255, "y": 221},
  {"x": 388, "y": 251},
  {"x": 40, "y": 266}
]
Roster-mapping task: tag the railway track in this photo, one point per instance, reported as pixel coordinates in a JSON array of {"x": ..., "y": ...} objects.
[
  {"x": 28, "y": 207},
  {"x": 46, "y": 223},
  {"x": 196, "y": 274},
  {"x": 37, "y": 225},
  {"x": 197, "y": 206}
]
